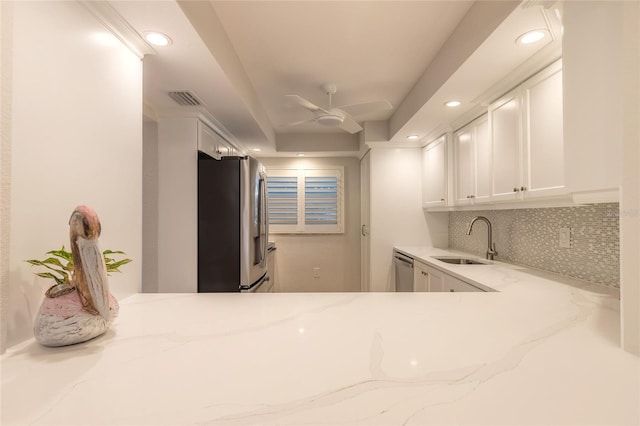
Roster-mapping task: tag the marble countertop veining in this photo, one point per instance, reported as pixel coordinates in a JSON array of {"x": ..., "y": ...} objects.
[{"x": 540, "y": 350}]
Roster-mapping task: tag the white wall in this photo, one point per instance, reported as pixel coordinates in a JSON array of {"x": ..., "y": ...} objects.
[
  {"x": 397, "y": 217},
  {"x": 150, "y": 207},
  {"x": 630, "y": 202},
  {"x": 5, "y": 167},
  {"x": 601, "y": 61},
  {"x": 76, "y": 138},
  {"x": 177, "y": 205},
  {"x": 337, "y": 256}
]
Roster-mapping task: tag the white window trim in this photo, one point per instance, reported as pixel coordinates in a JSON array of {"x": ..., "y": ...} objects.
[{"x": 300, "y": 173}]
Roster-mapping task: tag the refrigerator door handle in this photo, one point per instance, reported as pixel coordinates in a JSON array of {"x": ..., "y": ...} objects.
[{"x": 263, "y": 226}]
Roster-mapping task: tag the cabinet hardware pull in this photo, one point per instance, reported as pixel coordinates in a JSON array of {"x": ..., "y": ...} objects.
[
  {"x": 441, "y": 199},
  {"x": 451, "y": 290},
  {"x": 423, "y": 272},
  {"x": 523, "y": 188},
  {"x": 516, "y": 190}
]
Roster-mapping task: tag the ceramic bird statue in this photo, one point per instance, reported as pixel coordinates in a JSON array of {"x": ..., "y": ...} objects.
[{"x": 85, "y": 309}]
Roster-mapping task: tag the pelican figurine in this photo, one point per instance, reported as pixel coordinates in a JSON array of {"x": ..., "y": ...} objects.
[{"x": 85, "y": 309}]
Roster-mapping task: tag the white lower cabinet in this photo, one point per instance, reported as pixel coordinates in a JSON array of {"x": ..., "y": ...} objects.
[
  {"x": 420, "y": 277},
  {"x": 427, "y": 278},
  {"x": 453, "y": 284}
]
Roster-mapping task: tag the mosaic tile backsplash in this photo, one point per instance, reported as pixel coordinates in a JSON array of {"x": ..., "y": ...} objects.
[{"x": 530, "y": 237}]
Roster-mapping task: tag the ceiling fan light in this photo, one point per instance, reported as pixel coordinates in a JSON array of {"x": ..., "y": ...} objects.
[{"x": 330, "y": 120}]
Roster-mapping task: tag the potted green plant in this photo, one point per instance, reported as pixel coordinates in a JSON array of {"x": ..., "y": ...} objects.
[{"x": 59, "y": 267}]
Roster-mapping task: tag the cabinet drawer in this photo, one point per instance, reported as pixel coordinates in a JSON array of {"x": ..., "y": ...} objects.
[{"x": 452, "y": 284}]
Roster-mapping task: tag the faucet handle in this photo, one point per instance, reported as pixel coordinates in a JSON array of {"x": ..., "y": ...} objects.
[{"x": 491, "y": 251}]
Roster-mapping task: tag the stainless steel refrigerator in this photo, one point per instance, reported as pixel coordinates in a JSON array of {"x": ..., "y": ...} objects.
[{"x": 232, "y": 225}]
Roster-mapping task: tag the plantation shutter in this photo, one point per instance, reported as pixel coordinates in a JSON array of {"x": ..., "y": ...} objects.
[
  {"x": 320, "y": 200},
  {"x": 282, "y": 192},
  {"x": 305, "y": 201}
]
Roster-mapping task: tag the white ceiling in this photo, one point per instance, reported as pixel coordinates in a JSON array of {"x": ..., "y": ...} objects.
[
  {"x": 372, "y": 50},
  {"x": 242, "y": 57}
]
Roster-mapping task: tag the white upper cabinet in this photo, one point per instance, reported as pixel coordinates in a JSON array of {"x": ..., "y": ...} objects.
[
  {"x": 213, "y": 144},
  {"x": 472, "y": 163},
  {"x": 513, "y": 153},
  {"x": 505, "y": 130},
  {"x": 483, "y": 160},
  {"x": 526, "y": 137},
  {"x": 464, "y": 165},
  {"x": 543, "y": 156},
  {"x": 434, "y": 173}
]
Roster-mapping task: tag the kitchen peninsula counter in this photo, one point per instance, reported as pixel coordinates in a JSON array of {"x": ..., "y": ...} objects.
[{"x": 540, "y": 350}]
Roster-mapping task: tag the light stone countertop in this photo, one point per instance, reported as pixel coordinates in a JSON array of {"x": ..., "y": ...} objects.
[{"x": 541, "y": 350}]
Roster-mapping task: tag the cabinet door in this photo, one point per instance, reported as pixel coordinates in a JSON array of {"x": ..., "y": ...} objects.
[
  {"x": 464, "y": 153},
  {"x": 434, "y": 169},
  {"x": 365, "y": 223},
  {"x": 436, "y": 279},
  {"x": 452, "y": 284},
  {"x": 420, "y": 277},
  {"x": 483, "y": 161},
  {"x": 504, "y": 122},
  {"x": 544, "y": 150},
  {"x": 208, "y": 141}
]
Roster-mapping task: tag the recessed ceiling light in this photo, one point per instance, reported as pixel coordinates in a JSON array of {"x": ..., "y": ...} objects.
[
  {"x": 413, "y": 137},
  {"x": 300, "y": 154},
  {"x": 157, "y": 39},
  {"x": 452, "y": 104},
  {"x": 257, "y": 149},
  {"x": 531, "y": 37}
]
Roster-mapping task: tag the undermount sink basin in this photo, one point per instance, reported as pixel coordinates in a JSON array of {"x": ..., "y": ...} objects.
[{"x": 459, "y": 260}]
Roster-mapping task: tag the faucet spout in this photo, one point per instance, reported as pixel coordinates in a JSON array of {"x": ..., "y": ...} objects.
[{"x": 491, "y": 246}]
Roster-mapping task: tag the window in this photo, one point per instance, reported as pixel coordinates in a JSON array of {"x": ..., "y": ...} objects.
[{"x": 309, "y": 201}]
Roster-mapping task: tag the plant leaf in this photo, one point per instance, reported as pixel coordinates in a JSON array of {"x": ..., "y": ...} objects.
[
  {"x": 113, "y": 252},
  {"x": 113, "y": 267},
  {"x": 53, "y": 261},
  {"x": 62, "y": 272},
  {"x": 50, "y": 275},
  {"x": 61, "y": 253}
]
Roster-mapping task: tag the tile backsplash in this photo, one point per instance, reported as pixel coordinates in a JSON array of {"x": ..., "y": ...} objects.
[{"x": 530, "y": 237}]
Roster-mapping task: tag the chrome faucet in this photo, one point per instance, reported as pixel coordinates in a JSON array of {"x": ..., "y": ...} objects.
[{"x": 491, "y": 246}]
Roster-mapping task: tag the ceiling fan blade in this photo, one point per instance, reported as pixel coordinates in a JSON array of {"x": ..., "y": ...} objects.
[
  {"x": 295, "y": 123},
  {"x": 366, "y": 108},
  {"x": 350, "y": 125},
  {"x": 304, "y": 103}
]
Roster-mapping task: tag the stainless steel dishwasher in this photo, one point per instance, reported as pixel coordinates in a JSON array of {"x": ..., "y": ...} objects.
[{"x": 404, "y": 271}]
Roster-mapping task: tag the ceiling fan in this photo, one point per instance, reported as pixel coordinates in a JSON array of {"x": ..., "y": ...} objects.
[{"x": 341, "y": 117}]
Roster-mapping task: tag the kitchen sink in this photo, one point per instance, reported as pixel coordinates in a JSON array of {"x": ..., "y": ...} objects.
[{"x": 459, "y": 260}]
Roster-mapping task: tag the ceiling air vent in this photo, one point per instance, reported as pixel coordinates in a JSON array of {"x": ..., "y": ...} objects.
[{"x": 185, "y": 98}]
